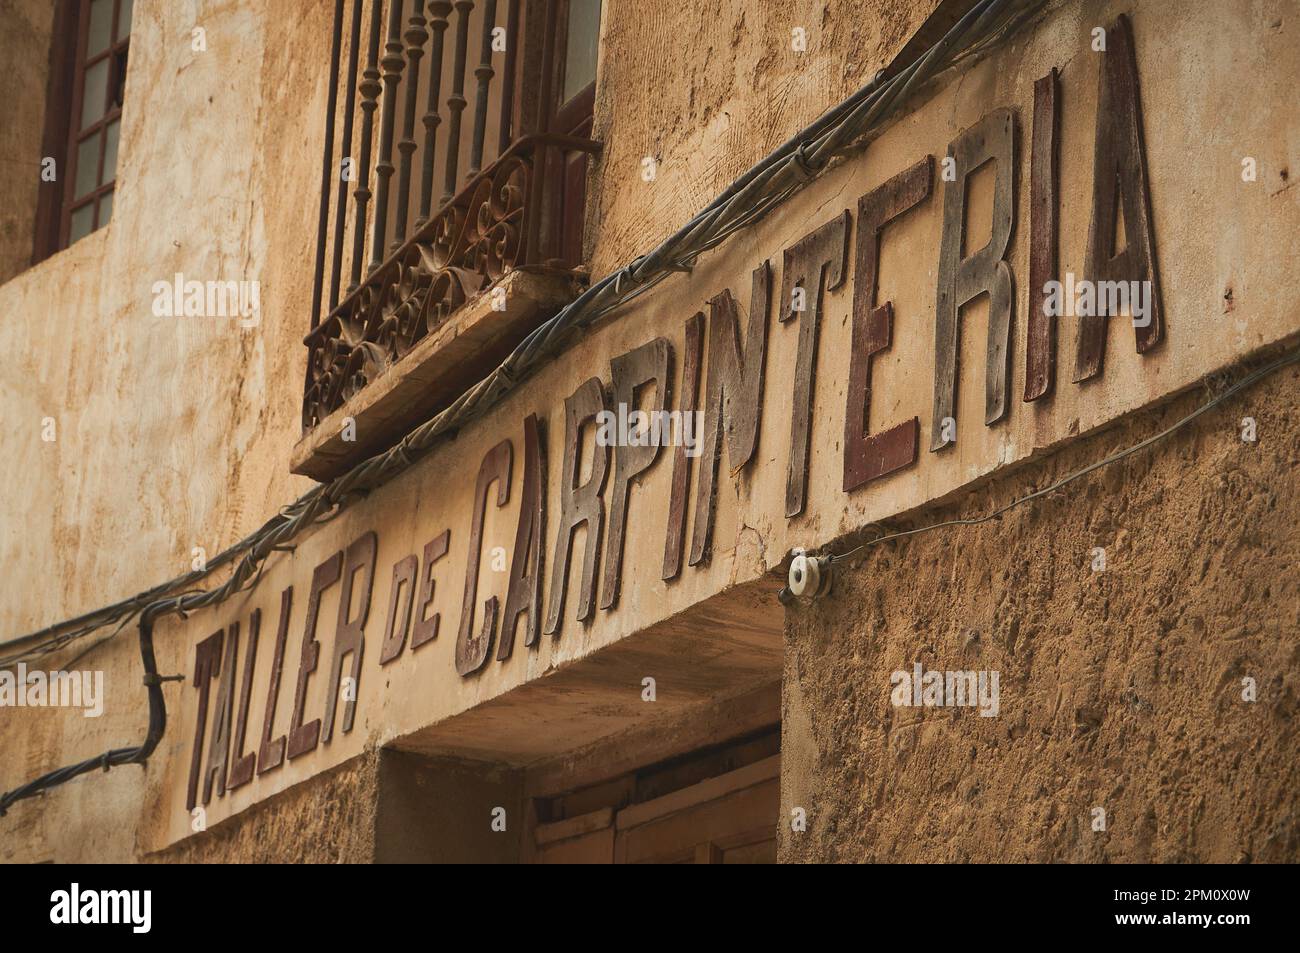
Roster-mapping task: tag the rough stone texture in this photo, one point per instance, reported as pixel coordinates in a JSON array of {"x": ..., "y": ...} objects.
[
  {"x": 441, "y": 811},
  {"x": 707, "y": 90},
  {"x": 177, "y": 433},
  {"x": 380, "y": 807},
  {"x": 1120, "y": 689},
  {"x": 330, "y": 821}
]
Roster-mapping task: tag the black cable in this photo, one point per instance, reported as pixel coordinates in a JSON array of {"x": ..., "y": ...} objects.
[
  {"x": 787, "y": 169},
  {"x": 781, "y": 173},
  {"x": 1289, "y": 357},
  {"x": 110, "y": 759}
]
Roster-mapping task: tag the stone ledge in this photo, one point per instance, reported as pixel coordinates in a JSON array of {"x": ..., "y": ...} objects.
[{"x": 435, "y": 372}]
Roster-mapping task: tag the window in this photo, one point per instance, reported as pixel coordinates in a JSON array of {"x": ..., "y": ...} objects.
[
  {"x": 578, "y": 43},
  {"x": 84, "y": 110},
  {"x": 478, "y": 140},
  {"x": 581, "y": 43}
]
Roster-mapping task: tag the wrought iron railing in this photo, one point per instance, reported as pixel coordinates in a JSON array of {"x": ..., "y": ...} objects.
[{"x": 508, "y": 187}]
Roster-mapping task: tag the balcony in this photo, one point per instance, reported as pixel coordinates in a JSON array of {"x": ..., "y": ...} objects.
[{"x": 439, "y": 290}]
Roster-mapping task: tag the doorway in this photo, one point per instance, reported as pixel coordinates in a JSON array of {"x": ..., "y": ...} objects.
[{"x": 714, "y": 805}]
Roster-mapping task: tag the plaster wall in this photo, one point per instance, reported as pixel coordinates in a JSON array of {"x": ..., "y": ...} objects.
[
  {"x": 24, "y": 49},
  {"x": 176, "y": 433},
  {"x": 1119, "y": 689}
]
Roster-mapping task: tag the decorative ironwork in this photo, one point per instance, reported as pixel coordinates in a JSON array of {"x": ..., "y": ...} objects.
[
  {"x": 511, "y": 209},
  {"x": 486, "y": 231}
]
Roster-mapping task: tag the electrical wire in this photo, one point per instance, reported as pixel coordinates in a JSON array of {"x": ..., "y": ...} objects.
[
  {"x": 830, "y": 136},
  {"x": 783, "y": 172},
  {"x": 137, "y": 754},
  {"x": 1289, "y": 357}
]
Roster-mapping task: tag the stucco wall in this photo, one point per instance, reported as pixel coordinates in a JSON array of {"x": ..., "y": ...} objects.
[
  {"x": 24, "y": 51},
  {"x": 1120, "y": 689},
  {"x": 170, "y": 433},
  {"x": 707, "y": 89},
  {"x": 174, "y": 434}
]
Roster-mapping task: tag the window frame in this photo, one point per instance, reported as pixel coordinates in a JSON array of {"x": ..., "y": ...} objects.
[
  {"x": 575, "y": 112},
  {"x": 114, "y": 54},
  {"x": 572, "y": 117},
  {"x": 57, "y": 129}
]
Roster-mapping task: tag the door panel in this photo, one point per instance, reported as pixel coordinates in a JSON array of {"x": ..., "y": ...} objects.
[{"x": 726, "y": 819}]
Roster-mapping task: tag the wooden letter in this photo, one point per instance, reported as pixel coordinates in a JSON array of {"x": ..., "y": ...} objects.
[
  {"x": 349, "y": 637},
  {"x": 524, "y": 596},
  {"x": 219, "y": 745},
  {"x": 426, "y": 629},
  {"x": 472, "y": 650},
  {"x": 303, "y": 738},
  {"x": 207, "y": 663},
  {"x": 733, "y": 403},
  {"x": 241, "y": 770},
  {"x": 579, "y": 504},
  {"x": 963, "y": 279},
  {"x": 271, "y": 753},
  {"x": 814, "y": 265},
  {"x": 1119, "y": 174},
  {"x": 404, "y": 572},
  {"x": 681, "y": 459},
  {"x": 1040, "y": 334},
  {"x": 869, "y": 456},
  {"x": 649, "y": 363}
]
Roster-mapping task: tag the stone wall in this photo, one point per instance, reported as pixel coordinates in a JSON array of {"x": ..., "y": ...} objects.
[
  {"x": 380, "y": 807},
  {"x": 708, "y": 89},
  {"x": 176, "y": 434},
  {"x": 1120, "y": 689},
  {"x": 329, "y": 822}
]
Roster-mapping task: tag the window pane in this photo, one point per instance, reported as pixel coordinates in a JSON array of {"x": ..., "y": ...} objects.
[
  {"x": 96, "y": 93},
  {"x": 110, "y": 153},
  {"x": 105, "y": 209},
  {"x": 583, "y": 41},
  {"x": 83, "y": 222},
  {"x": 124, "y": 21},
  {"x": 119, "y": 78},
  {"x": 101, "y": 26},
  {"x": 87, "y": 165}
]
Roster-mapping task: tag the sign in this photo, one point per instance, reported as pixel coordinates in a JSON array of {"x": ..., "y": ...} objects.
[{"x": 980, "y": 286}]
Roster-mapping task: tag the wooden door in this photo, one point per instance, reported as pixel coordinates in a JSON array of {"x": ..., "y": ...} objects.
[{"x": 729, "y": 818}]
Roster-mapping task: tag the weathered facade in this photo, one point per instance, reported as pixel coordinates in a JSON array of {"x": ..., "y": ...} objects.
[{"x": 541, "y": 638}]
